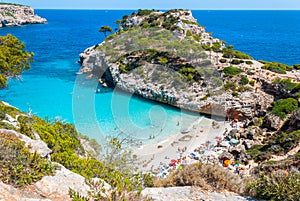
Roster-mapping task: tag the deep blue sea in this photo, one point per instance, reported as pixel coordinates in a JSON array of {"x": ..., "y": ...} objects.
[{"x": 52, "y": 89}]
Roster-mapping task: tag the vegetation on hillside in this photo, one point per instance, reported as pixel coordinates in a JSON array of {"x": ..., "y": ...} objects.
[
  {"x": 18, "y": 166},
  {"x": 232, "y": 71},
  {"x": 64, "y": 141},
  {"x": 276, "y": 67},
  {"x": 283, "y": 107}
]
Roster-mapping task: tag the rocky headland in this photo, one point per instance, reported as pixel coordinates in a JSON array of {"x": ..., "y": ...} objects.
[
  {"x": 170, "y": 58},
  {"x": 16, "y": 15}
]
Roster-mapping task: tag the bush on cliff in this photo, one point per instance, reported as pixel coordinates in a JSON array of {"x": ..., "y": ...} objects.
[
  {"x": 279, "y": 143},
  {"x": 276, "y": 67},
  {"x": 297, "y": 66},
  {"x": 283, "y": 107},
  {"x": 231, "y": 71},
  {"x": 287, "y": 84},
  {"x": 18, "y": 166},
  {"x": 277, "y": 186}
]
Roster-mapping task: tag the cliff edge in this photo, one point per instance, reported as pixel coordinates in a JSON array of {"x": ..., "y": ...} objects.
[{"x": 16, "y": 15}]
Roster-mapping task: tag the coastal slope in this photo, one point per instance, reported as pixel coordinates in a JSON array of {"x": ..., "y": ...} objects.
[{"x": 16, "y": 15}]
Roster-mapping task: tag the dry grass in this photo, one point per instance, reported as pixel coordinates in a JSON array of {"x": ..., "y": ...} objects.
[{"x": 206, "y": 176}]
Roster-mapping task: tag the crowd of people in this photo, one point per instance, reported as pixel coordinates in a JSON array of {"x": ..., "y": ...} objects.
[{"x": 209, "y": 152}]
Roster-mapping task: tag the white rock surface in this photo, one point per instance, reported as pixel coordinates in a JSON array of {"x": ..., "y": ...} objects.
[
  {"x": 38, "y": 146},
  {"x": 15, "y": 15},
  {"x": 188, "y": 193}
]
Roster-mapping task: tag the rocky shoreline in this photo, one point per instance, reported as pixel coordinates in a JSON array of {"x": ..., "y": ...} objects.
[
  {"x": 16, "y": 15},
  {"x": 203, "y": 95}
]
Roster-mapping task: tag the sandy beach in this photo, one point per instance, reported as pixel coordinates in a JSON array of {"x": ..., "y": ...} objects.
[{"x": 174, "y": 146}]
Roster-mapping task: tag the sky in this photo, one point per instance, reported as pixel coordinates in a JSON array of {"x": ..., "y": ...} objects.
[{"x": 163, "y": 4}]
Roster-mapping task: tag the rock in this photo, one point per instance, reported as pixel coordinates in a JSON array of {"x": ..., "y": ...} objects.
[
  {"x": 49, "y": 188},
  {"x": 33, "y": 145},
  {"x": 9, "y": 193},
  {"x": 294, "y": 123},
  {"x": 188, "y": 193},
  {"x": 248, "y": 143},
  {"x": 271, "y": 122},
  {"x": 243, "y": 135},
  {"x": 15, "y": 15},
  {"x": 57, "y": 187},
  {"x": 226, "y": 155}
]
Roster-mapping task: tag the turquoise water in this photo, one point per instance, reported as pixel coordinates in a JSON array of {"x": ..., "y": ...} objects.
[{"x": 51, "y": 88}]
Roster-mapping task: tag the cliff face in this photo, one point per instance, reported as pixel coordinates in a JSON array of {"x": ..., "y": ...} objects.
[
  {"x": 170, "y": 58},
  {"x": 15, "y": 15}
]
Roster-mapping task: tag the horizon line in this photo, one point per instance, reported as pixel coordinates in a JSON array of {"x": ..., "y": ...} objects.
[{"x": 232, "y": 9}]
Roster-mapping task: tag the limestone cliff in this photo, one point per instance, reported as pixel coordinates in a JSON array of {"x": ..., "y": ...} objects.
[
  {"x": 170, "y": 58},
  {"x": 16, "y": 15}
]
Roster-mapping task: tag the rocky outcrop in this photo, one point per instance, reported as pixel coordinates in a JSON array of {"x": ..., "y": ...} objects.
[
  {"x": 272, "y": 122},
  {"x": 38, "y": 146},
  {"x": 154, "y": 81},
  {"x": 49, "y": 188},
  {"x": 15, "y": 15},
  {"x": 294, "y": 123}
]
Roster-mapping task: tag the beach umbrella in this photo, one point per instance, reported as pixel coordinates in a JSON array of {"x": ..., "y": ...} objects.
[
  {"x": 179, "y": 167},
  {"x": 173, "y": 161},
  {"x": 227, "y": 162}
]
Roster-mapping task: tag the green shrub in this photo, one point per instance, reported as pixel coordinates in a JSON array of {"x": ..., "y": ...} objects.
[
  {"x": 216, "y": 47},
  {"x": 244, "y": 80},
  {"x": 242, "y": 88},
  {"x": 196, "y": 37},
  {"x": 235, "y": 62},
  {"x": 190, "y": 22},
  {"x": 229, "y": 52},
  {"x": 276, "y": 186},
  {"x": 163, "y": 60},
  {"x": 206, "y": 47},
  {"x": 188, "y": 33},
  {"x": 18, "y": 166},
  {"x": 277, "y": 67},
  {"x": 279, "y": 143},
  {"x": 297, "y": 66},
  {"x": 230, "y": 85},
  {"x": 5, "y": 125},
  {"x": 142, "y": 12},
  {"x": 26, "y": 130},
  {"x": 2, "y": 115},
  {"x": 284, "y": 106},
  {"x": 252, "y": 82},
  {"x": 287, "y": 84},
  {"x": 249, "y": 62},
  {"x": 223, "y": 60},
  {"x": 234, "y": 93},
  {"x": 231, "y": 71}
]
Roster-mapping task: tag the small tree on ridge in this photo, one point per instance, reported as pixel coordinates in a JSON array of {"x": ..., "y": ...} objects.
[{"x": 105, "y": 29}]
